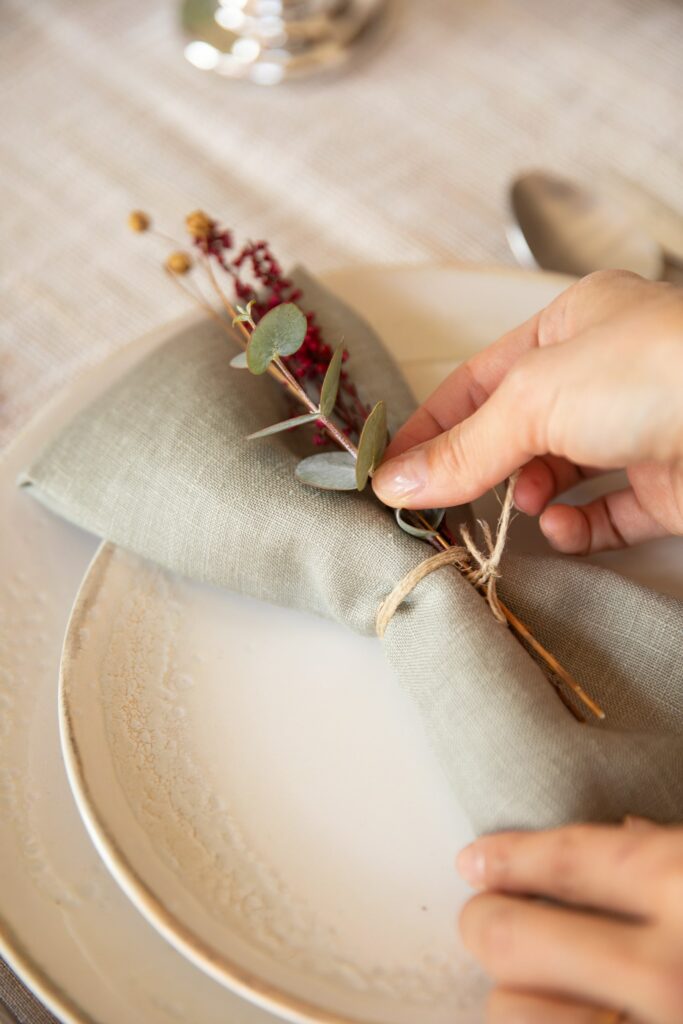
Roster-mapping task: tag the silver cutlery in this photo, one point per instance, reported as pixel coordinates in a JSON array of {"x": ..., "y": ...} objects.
[{"x": 559, "y": 225}]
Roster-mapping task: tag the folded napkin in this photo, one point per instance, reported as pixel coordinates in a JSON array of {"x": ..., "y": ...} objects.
[{"x": 160, "y": 466}]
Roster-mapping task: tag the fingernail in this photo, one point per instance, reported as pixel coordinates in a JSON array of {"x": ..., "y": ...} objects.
[
  {"x": 471, "y": 864},
  {"x": 401, "y": 477},
  {"x": 543, "y": 521}
]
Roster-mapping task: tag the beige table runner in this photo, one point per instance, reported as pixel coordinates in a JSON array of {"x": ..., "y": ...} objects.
[{"x": 406, "y": 159}]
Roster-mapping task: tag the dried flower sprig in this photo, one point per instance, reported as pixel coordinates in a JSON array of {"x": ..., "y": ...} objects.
[
  {"x": 280, "y": 339},
  {"x": 257, "y": 280}
]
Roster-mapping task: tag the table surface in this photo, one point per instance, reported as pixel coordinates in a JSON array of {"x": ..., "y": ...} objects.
[{"x": 404, "y": 158}]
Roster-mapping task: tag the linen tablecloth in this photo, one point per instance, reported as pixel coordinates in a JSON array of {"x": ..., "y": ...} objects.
[{"x": 405, "y": 158}]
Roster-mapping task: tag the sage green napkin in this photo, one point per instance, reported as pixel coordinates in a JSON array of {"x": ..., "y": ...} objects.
[{"x": 159, "y": 465}]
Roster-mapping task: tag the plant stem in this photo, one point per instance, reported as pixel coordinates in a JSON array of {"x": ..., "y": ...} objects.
[
  {"x": 552, "y": 662},
  {"x": 332, "y": 429},
  {"x": 198, "y": 300},
  {"x": 523, "y": 631}
]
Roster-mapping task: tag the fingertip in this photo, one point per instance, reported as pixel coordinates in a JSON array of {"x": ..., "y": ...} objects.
[
  {"x": 535, "y": 487},
  {"x": 398, "y": 482},
  {"x": 566, "y": 529},
  {"x": 422, "y": 477}
]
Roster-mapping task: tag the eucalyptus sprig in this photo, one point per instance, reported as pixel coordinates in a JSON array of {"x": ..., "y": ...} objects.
[
  {"x": 281, "y": 340},
  {"x": 281, "y": 333}
]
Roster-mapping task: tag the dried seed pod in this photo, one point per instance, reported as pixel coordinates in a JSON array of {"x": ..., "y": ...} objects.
[
  {"x": 138, "y": 220},
  {"x": 178, "y": 263},
  {"x": 199, "y": 224}
]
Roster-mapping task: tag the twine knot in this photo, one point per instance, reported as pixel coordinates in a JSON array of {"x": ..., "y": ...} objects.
[{"x": 481, "y": 568}]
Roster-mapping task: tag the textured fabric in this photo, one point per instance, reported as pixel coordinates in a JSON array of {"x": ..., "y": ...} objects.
[
  {"x": 406, "y": 158},
  {"x": 101, "y": 114},
  {"x": 160, "y": 466},
  {"x": 21, "y": 1007}
]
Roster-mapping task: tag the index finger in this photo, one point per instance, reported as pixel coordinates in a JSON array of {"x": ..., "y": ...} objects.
[{"x": 465, "y": 389}]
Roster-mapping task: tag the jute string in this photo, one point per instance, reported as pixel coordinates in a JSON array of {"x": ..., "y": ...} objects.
[{"x": 479, "y": 567}]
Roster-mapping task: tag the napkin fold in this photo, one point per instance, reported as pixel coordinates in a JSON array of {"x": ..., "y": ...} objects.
[{"x": 160, "y": 465}]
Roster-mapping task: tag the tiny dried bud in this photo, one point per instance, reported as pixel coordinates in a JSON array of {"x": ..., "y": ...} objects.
[
  {"x": 199, "y": 224},
  {"x": 138, "y": 220},
  {"x": 178, "y": 263}
]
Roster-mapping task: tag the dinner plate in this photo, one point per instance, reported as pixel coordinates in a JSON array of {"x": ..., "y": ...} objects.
[
  {"x": 65, "y": 927},
  {"x": 290, "y": 834}
]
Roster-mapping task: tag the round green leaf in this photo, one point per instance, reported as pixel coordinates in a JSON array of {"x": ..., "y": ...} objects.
[
  {"x": 239, "y": 362},
  {"x": 373, "y": 441},
  {"x": 330, "y": 471},
  {"x": 279, "y": 333},
  {"x": 328, "y": 392},
  {"x": 433, "y": 517}
]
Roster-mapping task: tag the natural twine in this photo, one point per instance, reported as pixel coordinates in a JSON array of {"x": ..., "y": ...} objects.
[{"x": 482, "y": 570}]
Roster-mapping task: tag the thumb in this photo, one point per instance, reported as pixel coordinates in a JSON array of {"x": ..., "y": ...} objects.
[{"x": 462, "y": 463}]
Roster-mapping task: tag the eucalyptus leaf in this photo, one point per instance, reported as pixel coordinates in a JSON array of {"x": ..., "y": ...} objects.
[
  {"x": 279, "y": 333},
  {"x": 330, "y": 471},
  {"x": 373, "y": 441},
  {"x": 296, "y": 421},
  {"x": 239, "y": 361},
  {"x": 433, "y": 516},
  {"x": 328, "y": 392}
]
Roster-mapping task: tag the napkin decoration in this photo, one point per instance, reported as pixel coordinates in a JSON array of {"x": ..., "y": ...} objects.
[{"x": 186, "y": 461}]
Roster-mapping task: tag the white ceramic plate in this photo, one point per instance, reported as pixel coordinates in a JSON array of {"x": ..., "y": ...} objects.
[
  {"x": 290, "y": 835},
  {"x": 65, "y": 926}
]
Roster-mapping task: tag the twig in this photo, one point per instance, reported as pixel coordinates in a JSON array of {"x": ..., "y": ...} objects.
[
  {"x": 203, "y": 305},
  {"x": 552, "y": 662},
  {"x": 523, "y": 631}
]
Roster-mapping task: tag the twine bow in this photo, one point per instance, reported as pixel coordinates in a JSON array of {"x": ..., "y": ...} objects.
[{"x": 479, "y": 567}]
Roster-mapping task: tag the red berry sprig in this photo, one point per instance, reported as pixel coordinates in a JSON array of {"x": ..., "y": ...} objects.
[{"x": 258, "y": 277}]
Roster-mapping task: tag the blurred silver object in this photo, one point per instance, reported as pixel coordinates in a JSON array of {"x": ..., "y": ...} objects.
[
  {"x": 268, "y": 41},
  {"x": 558, "y": 225}
]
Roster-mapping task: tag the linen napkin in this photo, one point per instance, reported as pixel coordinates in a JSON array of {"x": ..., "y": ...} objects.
[{"x": 160, "y": 465}]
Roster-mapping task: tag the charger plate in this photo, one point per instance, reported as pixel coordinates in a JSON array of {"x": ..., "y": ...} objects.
[{"x": 65, "y": 927}]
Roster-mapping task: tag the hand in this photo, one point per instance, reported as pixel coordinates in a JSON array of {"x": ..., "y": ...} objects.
[
  {"x": 616, "y": 941},
  {"x": 592, "y": 383}
]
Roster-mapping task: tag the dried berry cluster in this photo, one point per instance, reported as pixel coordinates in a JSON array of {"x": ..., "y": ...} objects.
[{"x": 257, "y": 277}]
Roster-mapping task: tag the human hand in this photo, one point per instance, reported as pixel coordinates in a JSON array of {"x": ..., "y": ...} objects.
[
  {"x": 592, "y": 383},
  {"x": 615, "y": 942}
]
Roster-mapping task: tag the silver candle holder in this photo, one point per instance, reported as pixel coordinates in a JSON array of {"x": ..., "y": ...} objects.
[{"x": 269, "y": 41}]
